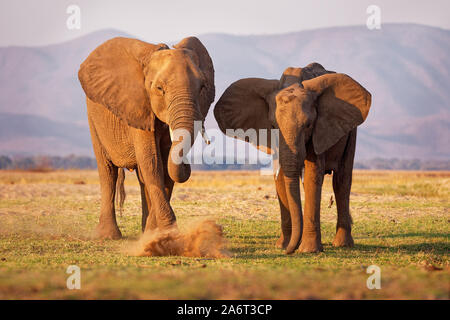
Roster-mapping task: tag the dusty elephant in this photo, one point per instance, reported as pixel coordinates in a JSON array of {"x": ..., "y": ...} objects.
[
  {"x": 317, "y": 112},
  {"x": 136, "y": 93}
]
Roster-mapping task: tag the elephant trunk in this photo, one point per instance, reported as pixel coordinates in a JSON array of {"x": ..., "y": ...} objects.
[
  {"x": 181, "y": 122},
  {"x": 292, "y": 155},
  {"x": 292, "y": 186}
]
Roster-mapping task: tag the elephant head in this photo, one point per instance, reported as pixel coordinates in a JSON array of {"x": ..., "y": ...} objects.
[
  {"x": 307, "y": 104},
  {"x": 138, "y": 81}
]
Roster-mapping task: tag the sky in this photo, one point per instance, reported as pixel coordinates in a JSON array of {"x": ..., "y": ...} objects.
[{"x": 34, "y": 23}]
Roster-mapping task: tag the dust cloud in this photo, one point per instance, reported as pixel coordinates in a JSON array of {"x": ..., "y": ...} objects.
[{"x": 202, "y": 239}]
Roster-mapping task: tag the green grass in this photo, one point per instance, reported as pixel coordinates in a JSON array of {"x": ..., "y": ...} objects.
[{"x": 46, "y": 220}]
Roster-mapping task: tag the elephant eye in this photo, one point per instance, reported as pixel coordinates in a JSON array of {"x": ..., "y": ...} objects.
[{"x": 159, "y": 88}]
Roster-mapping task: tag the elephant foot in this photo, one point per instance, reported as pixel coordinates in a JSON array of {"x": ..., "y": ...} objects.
[
  {"x": 343, "y": 238},
  {"x": 109, "y": 231},
  {"x": 282, "y": 242},
  {"x": 311, "y": 244}
]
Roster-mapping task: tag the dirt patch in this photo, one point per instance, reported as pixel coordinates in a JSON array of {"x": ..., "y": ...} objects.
[{"x": 202, "y": 239}]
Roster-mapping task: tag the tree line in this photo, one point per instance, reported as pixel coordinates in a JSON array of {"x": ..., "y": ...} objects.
[{"x": 48, "y": 163}]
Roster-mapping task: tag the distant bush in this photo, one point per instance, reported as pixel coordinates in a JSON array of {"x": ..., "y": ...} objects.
[
  {"x": 402, "y": 164},
  {"x": 48, "y": 163},
  {"x": 5, "y": 162},
  {"x": 246, "y": 167}
]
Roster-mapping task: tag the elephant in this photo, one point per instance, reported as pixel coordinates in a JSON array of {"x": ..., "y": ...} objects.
[
  {"x": 317, "y": 113},
  {"x": 137, "y": 93}
]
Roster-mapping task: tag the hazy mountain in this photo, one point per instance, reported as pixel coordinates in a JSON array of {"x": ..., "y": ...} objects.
[
  {"x": 43, "y": 80},
  {"x": 406, "y": 68},
  {"x": 32, "y": 134}
]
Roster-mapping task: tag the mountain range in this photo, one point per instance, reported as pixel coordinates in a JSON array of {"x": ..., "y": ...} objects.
[{"x": 406, "y": 67}]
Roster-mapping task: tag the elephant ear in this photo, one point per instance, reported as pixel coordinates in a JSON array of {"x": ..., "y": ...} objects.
[
  {"x": 207, "y": 94},
  {"x": 313, "y": 70},
  {"x": 245, "y": 104},
  {"x": 342, "y": 105},
  {"x": 112, "y": 76},
  {"x": 290, "y": 76},
  {"x": 297, "y": 75}
]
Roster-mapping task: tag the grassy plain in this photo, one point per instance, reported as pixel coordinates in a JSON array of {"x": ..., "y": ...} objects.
[{"x": 401, "y": 224}]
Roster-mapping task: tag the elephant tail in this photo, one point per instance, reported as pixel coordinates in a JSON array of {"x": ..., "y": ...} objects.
[{"x": 120, "y": 190}]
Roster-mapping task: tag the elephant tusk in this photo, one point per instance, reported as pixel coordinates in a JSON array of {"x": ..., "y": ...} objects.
[
  {"x": 276, "y": 160},
  {"x": 276, "y": 167},
  {"x": 205, "y": 136},
  {"x": 302, "y": 175},
  {"x": 171, "y": 134}
]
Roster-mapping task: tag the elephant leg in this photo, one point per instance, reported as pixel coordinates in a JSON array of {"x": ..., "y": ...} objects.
[
  {"x": 342, "y": 183},
  {"x": 165, "y": 144},
  {"x": 146, "y": 205},
  {"x": 313, "y": 180},
  {"x": 286, "y": 226},
  {"x": 168, "y": 188},
  {"x": 107, "y": 227},
  {"x": 148, "y": 157},
  {"x": 168, "y": 182}
]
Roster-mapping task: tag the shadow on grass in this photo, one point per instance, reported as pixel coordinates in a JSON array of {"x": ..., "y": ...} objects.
[
  {"x": 416, "y": 234},
  {"x": 269, "y": 237},
  {"x": 265, "y": 256},
  {"x": 264, "y": 252},
  {"x": 437, "y": 247},
  {"x": 256, "y": 252}
]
